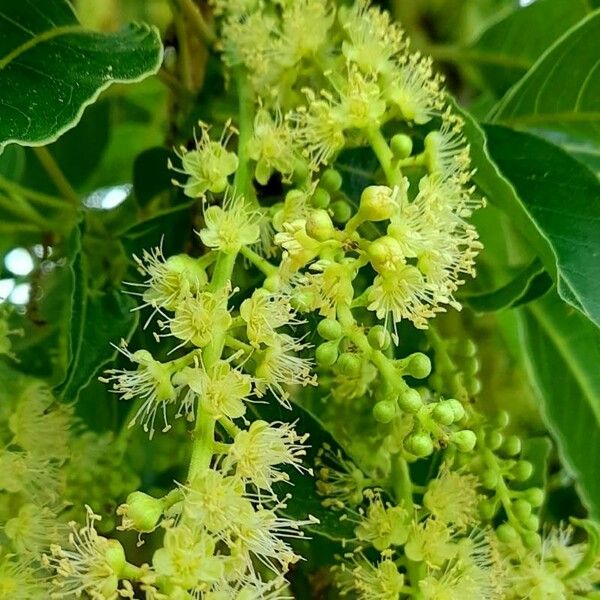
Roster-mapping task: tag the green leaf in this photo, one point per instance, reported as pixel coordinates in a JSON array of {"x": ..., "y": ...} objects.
[
  {"x": 504, "y": 51},
  {"x": 305, "y": 500},
  {"x": 558, "y": 211},
  {"x": 91, "y": 332},
  {"x": 562, "y": 357},
  {"x": 531, "y": 283},
  {"x": 559, "y": 97},
  {"x": 51, "y": 68}
]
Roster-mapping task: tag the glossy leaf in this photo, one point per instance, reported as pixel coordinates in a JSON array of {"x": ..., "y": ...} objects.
[
  {"x": 559, "y": 97},
  {"x": 51, "y": 68},
  {"x": 557, "y": 209},
  {"x": 562, "y": 357}
]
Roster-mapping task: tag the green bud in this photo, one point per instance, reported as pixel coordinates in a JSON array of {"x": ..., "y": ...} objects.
[
  {"x": 419, "y": 444},
  {"x": 272, "y": 283},
  {"x": 384, "y": 411},
  {"x": 326, "y": 354},
  {"x": 464, "y": 440},
  {"x": 143, "y": 511},
  {"x": 489, "y": 479},
  {"x": 473, "y": 386},
  {"x": 535, "y": 496},
  {"x": 512, "y": 445},
  {"x": 532, "y": 522},
  {"x": 523, "y": 470},
  {"x": 319, "y": 225},
  {"x": 384, "y": 254},
  {"x": 320, "y": 198},
  {"x": 349, "y": 364},
  {"x": 115, "y": 556},
  {"x": 443, "y": 413},
  {"x": 189, "y": 268},
  {"x": 466, "y": 347},
  {"x": 379, "y": 337},
  {"x": 494, "y": 439},
  {"x": 301, "y": 172},
  {"x": 521, "y": 509},
  {"x": 532, "y": 540},
  {"x": 377, "y": 202},
  {"x": 487, "y": 509},
  {"x": 507, "y": 533},
  {"x": 410, "y": 401},
  {"x": 331, "y": 180},
  {"x": 419, "y": 366},
  {"x": 341, "y": 211},
  {"x": 401, "y": 145},
  {"x": 501, "y": 420},
  {"x": 329, "y": 329},
  {"x": 457, "y": 408},
  {"x": 471, "y": 366}
]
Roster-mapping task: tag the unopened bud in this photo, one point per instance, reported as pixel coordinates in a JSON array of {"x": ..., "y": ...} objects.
[
  {"x": 377, "y": 203},
  {"x": 326, "y": 354},
  {"x": 329, "y": 329},
  {"x": 384, "y": 411}
]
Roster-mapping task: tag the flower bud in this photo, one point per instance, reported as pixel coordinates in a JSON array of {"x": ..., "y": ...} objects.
[
  {"x": 384, "y": 411},
  {"x": 349, "y": 364},
  {"x": 466, "y": 347},
  {"x": 319, "y": 225},
  {"x": 494, "y": 439},
  {"x": 511, "y": 445},
  {"x": 501, "y": 420},
  {"x": 326, "y": 354},
  {"x": 489, "y": 479},
  {"x": 521, "y": 509},
  {"x": 114, "y": 555},
  {"x": 329, "y": 329},
  {"x": 532, "y": 540},
  {"x": 410, "y": 401},
  {"x": 320, "y": 199},
  {"x": 471, "y": 366},
  {"x": 473, "y": 386},
  {"x": 385, "y": 253},
  {"x": 487, "y": 509},
  {"x": 443, "y": 413},
  {"x": 464, "y": 440},
  {"x": 523, "y": 470},
  {"x": 401, "y": 145},
  {"x": 457, "y": 408},
  {"x": 377, "y": 202},
  {"x": 272, "y": 283},
  {"x": 379, "y": 337},
  {"x": 142, "y": 511},
  {"x": 419, "y": 444},
  {"x": 535, "y": 496},
  {"x": 419, "y": 366},
  {"x": 331, "y": 180},
  {"x": 507, "y": 533},
  {"x": 532, "y": 522},
  {"x": 341, "y": 211}
]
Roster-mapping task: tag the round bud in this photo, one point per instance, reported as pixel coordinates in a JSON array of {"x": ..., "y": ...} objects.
[
  {"x": 419, "y": 444},
  {"x": 278, "y": 219},
  {"x": 464, "y": 440},
  {"x": 329, "y": 329},
  {"x": 532, "y": 522},
  {"x": 143, "y": 511},
  {"x": 457, "y": 408},
  {"x": 320, "y": 199},
  {"x": 487, "y": 509},
  {"x": 401, "y": 145},
  {"x": 532, "y": 540},
  {"x": 272, "y": 283},
  {"x": 489, "y": 479},
  {"x": 301, "y": 172},
  {"x": 410, "y": 401},
  {"x": 507, "y": 533},
  {"x": 341, "y": 211},
  {"x": 114, "y": 555},
  {"x": 443, "y": 413},
  {"x": 523, "y": 470},
  {"x": 319, "y": 225},
  {"x": 473, "y": 386},
  {"x": 331, "y": 180},
  {"x": 189, "y": 268},
  {"x": 512, "y": 445},
  {"x": 385, "y": 253},
  {"x": 501, "y": 420},
  {"x": 326, "y": 354},
  {"x": 521, "y": 509},
  {"x": 466, "y": 347},
  {"x": 419, "y": 366},
  {"x": 494, "y": 439},
  {"x": 535, "y": 496},
  {"x": 384, "y": 411},
  {"x": 379, "y": 337},
  {"x": 471, "y": 366},
  {"x": 349, "y": 364},
  {"x": 377, "y": 202}
]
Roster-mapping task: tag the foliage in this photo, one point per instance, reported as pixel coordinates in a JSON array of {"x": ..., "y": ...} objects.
[{"x": 300, "y": 310}]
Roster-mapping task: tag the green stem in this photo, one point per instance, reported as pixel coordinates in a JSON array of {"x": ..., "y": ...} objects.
[
  {"x": 229, "y": 426},
  {"x": 384, "y": 154},
  {"x": 236, "y": 344},
  {"x": 33, "y": 195},
  {"x": 20, "y": 208},
  {"x": 202, "y": 447},
  {"x": 196, "y": 19},
  {"x": 185, "y": 60},
  {"x": 258, "y": 261},
  {"x": 56, "y": 175}
]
